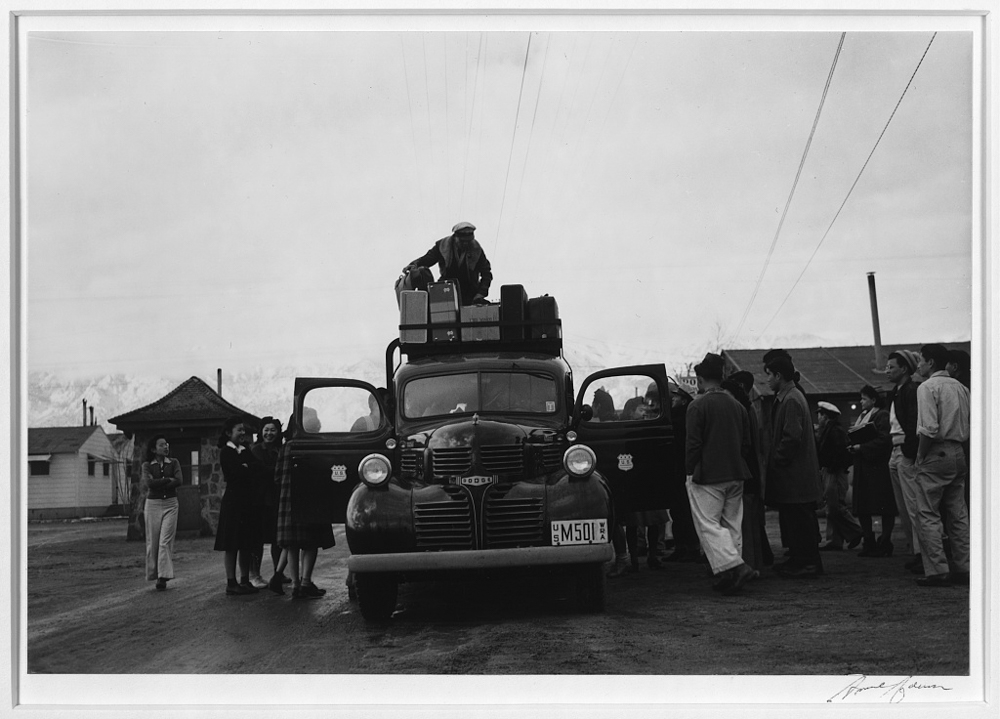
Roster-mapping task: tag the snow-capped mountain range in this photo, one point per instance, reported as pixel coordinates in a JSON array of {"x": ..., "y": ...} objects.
[{"x": 55, "y": 401}]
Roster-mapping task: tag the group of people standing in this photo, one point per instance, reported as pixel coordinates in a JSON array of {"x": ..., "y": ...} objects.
[
  {"x": 908, "y": 455},
  {"x": 913, "y": 464},
  {"x": 256, "y": 510}
]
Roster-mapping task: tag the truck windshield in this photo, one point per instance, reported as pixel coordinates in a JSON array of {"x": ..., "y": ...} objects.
[{"x": 484, "y": 392}]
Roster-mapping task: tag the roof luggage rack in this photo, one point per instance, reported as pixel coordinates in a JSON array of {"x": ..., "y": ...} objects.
[{"x": 450, "y": 340}]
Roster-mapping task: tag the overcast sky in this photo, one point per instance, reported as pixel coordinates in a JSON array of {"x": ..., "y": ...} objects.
[{"x": 233, "y": 199}]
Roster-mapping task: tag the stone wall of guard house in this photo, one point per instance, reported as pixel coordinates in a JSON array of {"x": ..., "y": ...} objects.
[{"x": 211, "y": 483}]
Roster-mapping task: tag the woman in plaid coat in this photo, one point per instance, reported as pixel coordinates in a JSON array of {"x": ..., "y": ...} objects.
[{"x": 301, "y": 539}]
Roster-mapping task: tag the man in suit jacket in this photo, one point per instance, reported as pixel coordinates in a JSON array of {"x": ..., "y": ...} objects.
[{"x": 793, "y": 482}]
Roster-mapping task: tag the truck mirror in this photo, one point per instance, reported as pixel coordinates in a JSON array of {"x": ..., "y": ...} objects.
[{"x": 586, "y": 413}]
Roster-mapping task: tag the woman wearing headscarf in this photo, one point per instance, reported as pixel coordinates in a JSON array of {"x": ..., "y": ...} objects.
[
  {"x": 265, "y": 450},
  {"x": 872, "y": 483},
  {"x": 239, "y": 526},
  {"x": 162, "y": 475}
]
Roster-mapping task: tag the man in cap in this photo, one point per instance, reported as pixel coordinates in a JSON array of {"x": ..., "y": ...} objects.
[
  {"x": 831, "y": 450},
  {"x": 942, "y": 470},
  {"x": 460, "y": 258},
  {"x": 899, "y": 368},
  {"x": 717, "y": 448},
  {"x": 792, "y": 477}
]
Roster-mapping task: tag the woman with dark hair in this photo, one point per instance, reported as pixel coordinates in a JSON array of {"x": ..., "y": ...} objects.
[
  {"x": 872, "y": 482},
  {"x": 265, "y": 450},
  {"x": 239, "y": 526},
  {"x": 162, "y": 475}
]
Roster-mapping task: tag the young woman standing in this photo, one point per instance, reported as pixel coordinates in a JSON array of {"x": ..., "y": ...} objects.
[
  {"x": 239, "y": 529},
  {"x": 162, "y": 475}
]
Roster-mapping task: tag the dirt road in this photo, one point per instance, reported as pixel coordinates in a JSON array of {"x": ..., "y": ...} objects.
[{"x": 90, "y": 611}]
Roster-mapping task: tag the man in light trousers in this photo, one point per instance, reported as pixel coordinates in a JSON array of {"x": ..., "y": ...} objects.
[
  {"x": 942, "y": 470},
  {"x": 716, "y": 451},
  {"x": 899, "y": 369}
]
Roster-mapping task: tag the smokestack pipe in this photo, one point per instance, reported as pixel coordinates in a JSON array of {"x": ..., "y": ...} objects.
[
  {"x": 84, "y": 413},
  {"x": 218, "y": 380},
  {"x": 879, "y": 358},
  {"x": 91, "y": 416}
]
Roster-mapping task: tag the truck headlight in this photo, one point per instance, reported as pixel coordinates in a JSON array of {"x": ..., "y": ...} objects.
[
  {"x": 579, "y": 461},
  {"x": 375, "y": 470}
]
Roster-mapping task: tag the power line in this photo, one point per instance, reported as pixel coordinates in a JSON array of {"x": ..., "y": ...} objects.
[
  {"x": 531, "y": 131},
  {"x": 513, "y": 136},
  {"x": 788, "y": 202},
  {"x": 409, "y": 104},
  {"x": 472, "y": 117},
  {"x": 853, "y": 185}
]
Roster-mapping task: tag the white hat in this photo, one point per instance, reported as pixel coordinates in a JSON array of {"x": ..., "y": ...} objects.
[{"x": 829, "y": 407}]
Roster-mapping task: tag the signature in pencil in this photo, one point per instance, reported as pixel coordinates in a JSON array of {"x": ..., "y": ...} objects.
[{"x": 890, "y": 691}]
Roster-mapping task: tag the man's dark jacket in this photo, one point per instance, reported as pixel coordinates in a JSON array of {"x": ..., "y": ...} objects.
[
  {"x": 904, "y": 401},
  {"x": 474, "y": 274},
  {"x": 831, "y": 447}
]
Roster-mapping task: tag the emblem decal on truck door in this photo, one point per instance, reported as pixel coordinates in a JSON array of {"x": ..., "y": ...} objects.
[
  {"x": 338, "y": 473},
  {"x": 625, "y": 462}
]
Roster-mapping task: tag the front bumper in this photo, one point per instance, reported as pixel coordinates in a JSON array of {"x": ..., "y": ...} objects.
[{"x": 481, "y": 558}]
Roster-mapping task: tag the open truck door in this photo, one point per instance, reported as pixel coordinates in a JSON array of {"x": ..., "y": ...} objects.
[
  {"x": 626, "y": 421},
  {"x": 336, "y": 423}
]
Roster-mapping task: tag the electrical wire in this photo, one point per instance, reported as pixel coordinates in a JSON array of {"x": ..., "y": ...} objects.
[
  {"x": 851, "y": 190},
  {"x": 513, "y": 136},
  {"x": 531, "y": 132},
  {"x": 472, "y": 118},
  {"x": 409, "y": 104},
  {"x": 791, "y": 194}
]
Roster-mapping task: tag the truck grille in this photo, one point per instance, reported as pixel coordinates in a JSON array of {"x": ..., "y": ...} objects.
[
  {"x": 502, "y": 459},
  {"x": 451, "y": 461},
  {"x": 552, "y": 455},
  {"x": 409, "y": 461},
  {"x": 512, "y": 522},
  {"x": 444, "y": 525}
]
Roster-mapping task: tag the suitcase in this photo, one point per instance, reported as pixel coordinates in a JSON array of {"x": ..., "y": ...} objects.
[
  {"x": 513, "y": 300},
  {"x": 443, "y": 335},
  {"x": 443, "y": 300},
  {"x": 543, "y": 309},
  {"x": 413, "y": 311},
  {"x": 480, "y": 313}
]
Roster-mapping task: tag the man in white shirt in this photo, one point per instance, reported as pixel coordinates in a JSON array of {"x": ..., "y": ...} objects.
[{"x": 942, "y": 470}]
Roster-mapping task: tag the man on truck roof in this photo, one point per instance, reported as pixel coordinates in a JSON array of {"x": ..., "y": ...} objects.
[{"x": 461, "y": 258}]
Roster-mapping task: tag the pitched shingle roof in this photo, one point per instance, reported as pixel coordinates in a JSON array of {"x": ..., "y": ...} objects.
[
  {"x": 59, "y": 440},
  {"x": 825, "y": 370},
  {"x": 193, "y": 399}
]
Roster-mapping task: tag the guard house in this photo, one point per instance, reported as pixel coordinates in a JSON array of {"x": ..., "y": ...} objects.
[{"x": 191, "y": 416}]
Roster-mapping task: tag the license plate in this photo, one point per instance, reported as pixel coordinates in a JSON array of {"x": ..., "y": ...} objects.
[
  {"x": 476, "y": 481},
  {"x": 580, "y": 531}
]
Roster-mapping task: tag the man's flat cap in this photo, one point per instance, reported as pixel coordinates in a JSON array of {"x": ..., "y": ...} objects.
[
  {"x": 829, "y": 407},
  {"x": 463, "y": 228}
]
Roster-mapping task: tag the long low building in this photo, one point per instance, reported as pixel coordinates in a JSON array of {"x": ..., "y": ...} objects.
[{"x": 829, "y": 374}]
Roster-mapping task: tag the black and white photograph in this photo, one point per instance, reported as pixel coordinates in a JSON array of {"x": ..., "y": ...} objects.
[{"x": 581, "y": 361}]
